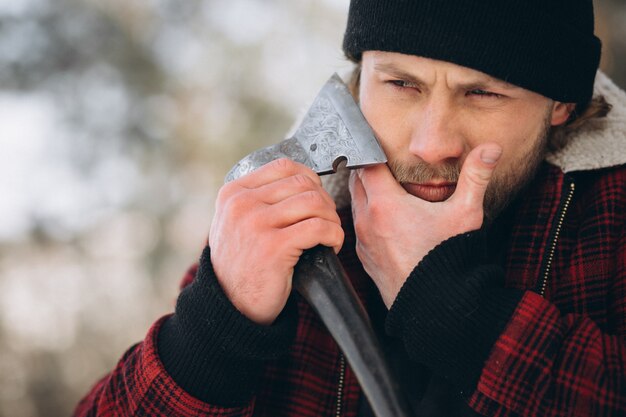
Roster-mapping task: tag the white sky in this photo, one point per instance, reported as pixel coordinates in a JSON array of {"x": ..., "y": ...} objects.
[
  {"x": 25, "y": 169},
  {"x": 36, "y": 180}
]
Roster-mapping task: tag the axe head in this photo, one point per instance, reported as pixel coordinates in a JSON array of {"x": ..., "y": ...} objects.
[{"x": 333, "y": 130}]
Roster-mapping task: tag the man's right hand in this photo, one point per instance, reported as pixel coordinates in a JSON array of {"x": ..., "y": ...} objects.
[{"x": 263, "y": 222}]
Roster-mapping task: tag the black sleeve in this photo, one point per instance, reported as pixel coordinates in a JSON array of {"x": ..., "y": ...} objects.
[
  {"x": 213, "y": 351},
  {"x": 452, "y": 308}
]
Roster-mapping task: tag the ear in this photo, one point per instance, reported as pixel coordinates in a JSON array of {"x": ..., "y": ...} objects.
[{"x": 561, "y": 112}]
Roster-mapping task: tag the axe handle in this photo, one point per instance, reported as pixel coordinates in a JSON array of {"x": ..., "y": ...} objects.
[{"x": 322, "y": 281}]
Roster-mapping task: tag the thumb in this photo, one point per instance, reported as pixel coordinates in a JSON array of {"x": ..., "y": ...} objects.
[{"x": 476, "y": 173}]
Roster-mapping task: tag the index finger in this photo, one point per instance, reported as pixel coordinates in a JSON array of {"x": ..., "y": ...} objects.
[{"x": 276, "y": 170}]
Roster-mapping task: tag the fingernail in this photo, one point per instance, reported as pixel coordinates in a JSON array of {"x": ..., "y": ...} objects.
[{"x": 490, "y": 156}]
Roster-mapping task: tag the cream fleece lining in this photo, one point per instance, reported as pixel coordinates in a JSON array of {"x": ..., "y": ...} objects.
[{"x": 601, "y": 144}]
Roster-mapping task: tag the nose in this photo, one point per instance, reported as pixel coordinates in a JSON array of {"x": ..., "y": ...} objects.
[{"x": 436, "y": 137}]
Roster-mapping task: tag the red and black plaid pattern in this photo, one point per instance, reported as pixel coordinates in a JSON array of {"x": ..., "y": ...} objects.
[
  {"x": 140, "y": 386},
  {"x": 565, "y": 354},
  {"x": 562, "y": 355}
]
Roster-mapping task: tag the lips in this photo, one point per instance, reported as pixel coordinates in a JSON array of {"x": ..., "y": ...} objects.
[{"x": 433, "y": 192}]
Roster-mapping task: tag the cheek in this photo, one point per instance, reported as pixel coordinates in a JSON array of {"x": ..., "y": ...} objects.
[
  {"x": 515, "y": 130},
  {"x": 522, "y": 152},
  {"x": 388, "y": 120},
  {"x": 369, "y": 108},
  {"x": 525, "y": 140}
]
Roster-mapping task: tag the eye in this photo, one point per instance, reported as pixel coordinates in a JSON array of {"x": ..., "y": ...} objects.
[
  {"x": 402, "y": 84},
  {"x": 484, "y": 93}
]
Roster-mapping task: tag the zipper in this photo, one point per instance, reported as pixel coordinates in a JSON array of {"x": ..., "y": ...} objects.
[
  {"x": 555, "y": 238},
  {"x": 342, "y": 379}
]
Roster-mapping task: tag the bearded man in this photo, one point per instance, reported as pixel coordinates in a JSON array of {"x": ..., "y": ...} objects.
[{"x": 490, "y": 252}]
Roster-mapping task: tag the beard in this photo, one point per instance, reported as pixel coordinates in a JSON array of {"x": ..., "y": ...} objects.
[{"x": 506, "y": 182}]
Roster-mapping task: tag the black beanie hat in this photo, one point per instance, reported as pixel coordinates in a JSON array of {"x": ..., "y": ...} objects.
[{"x": 546, "y": 46}]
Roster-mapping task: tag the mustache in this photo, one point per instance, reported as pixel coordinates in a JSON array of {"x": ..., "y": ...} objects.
[{"x": 422, "y": 172}]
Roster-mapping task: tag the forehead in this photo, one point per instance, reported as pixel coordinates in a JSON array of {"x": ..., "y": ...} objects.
[{"x": 427, "y": 70}]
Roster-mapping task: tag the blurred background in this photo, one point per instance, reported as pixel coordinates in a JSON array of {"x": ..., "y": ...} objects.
[{"x": 118, "y": 122}]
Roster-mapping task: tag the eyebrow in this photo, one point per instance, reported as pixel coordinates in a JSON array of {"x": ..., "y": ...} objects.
[
  {"x": 480, "y": 84},
  {"x": 396, "y": 72}
]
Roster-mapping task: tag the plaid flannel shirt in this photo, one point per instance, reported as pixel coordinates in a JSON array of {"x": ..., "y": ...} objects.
[{"x": 562, "y": 353}]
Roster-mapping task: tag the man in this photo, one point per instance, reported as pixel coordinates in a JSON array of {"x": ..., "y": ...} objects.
[{"x": 490, "y": 252}]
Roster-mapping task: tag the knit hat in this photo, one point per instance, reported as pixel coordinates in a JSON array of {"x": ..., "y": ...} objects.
[{"x": 546, "y": 46}]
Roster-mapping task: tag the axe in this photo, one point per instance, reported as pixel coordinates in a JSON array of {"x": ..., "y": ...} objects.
[{"x": 334, "y": 130}]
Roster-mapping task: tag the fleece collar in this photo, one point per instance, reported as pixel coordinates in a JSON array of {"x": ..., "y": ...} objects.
[{"x": 601, "y": 143}]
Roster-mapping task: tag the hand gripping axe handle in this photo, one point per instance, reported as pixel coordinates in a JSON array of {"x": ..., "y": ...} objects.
[{"x": 334, "y": 130}]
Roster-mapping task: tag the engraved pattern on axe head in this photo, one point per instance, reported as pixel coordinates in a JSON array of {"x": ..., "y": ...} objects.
[{"x": 326, "y": 136}]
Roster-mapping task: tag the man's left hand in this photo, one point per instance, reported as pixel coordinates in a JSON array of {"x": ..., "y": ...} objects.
[{"x": 395, "y": 229}]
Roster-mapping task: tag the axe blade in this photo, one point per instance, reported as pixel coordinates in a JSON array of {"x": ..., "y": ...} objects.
[{"x": 333, "y": 130}]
